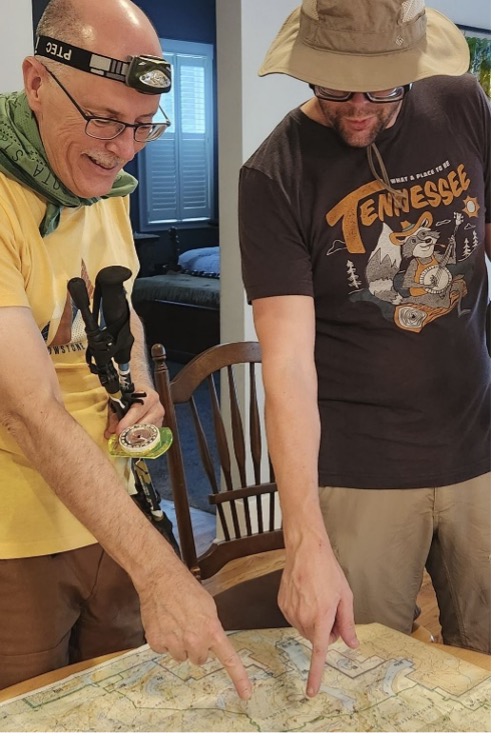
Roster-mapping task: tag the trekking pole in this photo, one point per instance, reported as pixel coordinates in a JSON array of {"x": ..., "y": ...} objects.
[{"x": 114, "y": 342}]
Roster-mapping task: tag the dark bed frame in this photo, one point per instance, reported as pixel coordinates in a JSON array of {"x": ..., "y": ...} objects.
[
  {"x": 184, "y": 326},
  {"x": 183, "y": 329}
]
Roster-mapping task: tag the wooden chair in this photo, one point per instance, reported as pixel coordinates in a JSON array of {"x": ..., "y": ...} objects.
[{"x": 245, "y": 505}]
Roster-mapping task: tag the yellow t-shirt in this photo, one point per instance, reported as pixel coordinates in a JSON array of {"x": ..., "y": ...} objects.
[{"x": 34, "y": 272}]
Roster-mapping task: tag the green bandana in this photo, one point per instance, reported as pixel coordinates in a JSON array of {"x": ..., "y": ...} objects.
[{"x": 22, "y": 157}]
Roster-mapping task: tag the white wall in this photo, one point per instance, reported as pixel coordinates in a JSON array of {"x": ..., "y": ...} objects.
[
  {"x": 16, "y": 42},
  {"x": 466, "y": 12},
  {"x": 249, "y": 107}
]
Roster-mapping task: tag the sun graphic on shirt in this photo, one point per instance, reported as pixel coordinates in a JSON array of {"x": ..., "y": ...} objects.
[{"x": 471, "y": 207}]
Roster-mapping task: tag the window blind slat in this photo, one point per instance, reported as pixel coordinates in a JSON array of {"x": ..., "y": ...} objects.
[{"x": 176, "y": 171}]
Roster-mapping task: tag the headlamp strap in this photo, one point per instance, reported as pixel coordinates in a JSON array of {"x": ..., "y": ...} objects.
[{"x": 148, "y": 74}]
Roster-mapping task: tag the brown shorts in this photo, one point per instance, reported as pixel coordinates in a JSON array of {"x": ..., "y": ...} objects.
[
  {"x": 384, "y": 539},
  {"x": 63, "y": 608}
]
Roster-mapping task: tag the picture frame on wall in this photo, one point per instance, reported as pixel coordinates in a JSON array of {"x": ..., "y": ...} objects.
[{"x": 479, "y": 42}]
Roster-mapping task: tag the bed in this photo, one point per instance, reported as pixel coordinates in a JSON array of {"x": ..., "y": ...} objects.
[{"x": 181, "y": 308}]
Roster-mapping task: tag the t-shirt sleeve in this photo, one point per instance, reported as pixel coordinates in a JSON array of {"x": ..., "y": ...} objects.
[
  {"x": 12, "y": 286},
  {"x": 477, "y": 111},
  {"x": 487, "y": 154},
  {"x": 275, "y": 259}
]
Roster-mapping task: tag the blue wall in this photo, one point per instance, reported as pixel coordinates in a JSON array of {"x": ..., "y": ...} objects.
[{"x": 186, "y": 20}]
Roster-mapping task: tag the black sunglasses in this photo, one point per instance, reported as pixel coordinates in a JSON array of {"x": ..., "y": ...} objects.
[{"x": 388, "y": 95}]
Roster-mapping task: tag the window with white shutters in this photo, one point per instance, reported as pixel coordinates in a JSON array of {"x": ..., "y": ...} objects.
[{"x": 176, "y": 171}]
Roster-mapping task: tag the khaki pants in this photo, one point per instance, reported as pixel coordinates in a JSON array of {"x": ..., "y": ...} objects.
[
  {"x": 384, "y": 539},
  {"x": 63, "y": 608}
]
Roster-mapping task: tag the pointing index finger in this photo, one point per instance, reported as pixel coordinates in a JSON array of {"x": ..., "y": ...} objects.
[
  {"x": 228, "y": 657},
  {"x": 318, "y": 661}
]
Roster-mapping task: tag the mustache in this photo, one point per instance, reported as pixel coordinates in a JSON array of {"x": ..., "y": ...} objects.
[{"x": 108, "y": 162}]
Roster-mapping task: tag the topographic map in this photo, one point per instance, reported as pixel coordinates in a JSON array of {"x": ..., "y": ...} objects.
[{"x": 391, "y": 683}]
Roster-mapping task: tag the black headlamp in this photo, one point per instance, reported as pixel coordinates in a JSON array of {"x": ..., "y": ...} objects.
[{"x": 151, "y": 75}]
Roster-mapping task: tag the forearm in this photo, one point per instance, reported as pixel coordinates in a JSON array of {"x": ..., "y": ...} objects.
[
  {"x": 286, "y": 331},
  {"x": 293, "y": 431},
  {"x": 85, "y": 481}
]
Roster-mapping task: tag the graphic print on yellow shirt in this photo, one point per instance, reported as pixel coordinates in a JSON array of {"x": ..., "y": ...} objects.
[
  {"x": 71, "y": 329},
  {"x": 420, "y": 272}
]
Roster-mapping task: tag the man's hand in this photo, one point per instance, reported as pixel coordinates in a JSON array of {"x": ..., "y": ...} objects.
[
  {"x": 180, "y": 617},
  {"x": 316, "y": 599},
  {"x": 148, "y": 412}
]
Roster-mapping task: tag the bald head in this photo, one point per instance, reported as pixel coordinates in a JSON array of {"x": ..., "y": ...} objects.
[{"x": 115, "y": 28}]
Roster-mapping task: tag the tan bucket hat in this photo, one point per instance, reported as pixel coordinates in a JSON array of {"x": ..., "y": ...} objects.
[{"x": 362, "y": 45}]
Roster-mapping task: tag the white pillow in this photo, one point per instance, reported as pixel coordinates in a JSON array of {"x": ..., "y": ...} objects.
[{"x": 206, "y": 260}]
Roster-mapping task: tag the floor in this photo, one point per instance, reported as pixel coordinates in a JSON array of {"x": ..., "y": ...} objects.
[{"x": 204, "y": 531}]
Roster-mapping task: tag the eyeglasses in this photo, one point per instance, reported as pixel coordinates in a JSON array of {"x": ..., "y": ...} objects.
[
  {"x": 106, "y": 129},
  {"x": 386, "y": 95}
]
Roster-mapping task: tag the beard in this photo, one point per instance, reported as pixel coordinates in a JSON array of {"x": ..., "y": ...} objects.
[{"x": 358, "y": 125}]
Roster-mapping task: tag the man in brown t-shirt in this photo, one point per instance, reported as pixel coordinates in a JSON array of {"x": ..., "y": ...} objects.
[{"x": 362, "y": 226}]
